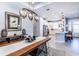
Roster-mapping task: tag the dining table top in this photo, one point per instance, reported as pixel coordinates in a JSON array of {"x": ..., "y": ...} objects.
[{"x": 22, "y": 47}]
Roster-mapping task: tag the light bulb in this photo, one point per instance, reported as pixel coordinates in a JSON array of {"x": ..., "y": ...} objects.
[{"x": 23, "y": 12}]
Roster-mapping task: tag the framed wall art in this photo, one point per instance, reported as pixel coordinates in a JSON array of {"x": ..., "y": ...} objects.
[
  {"x": 45, "y": 30},
  {"x": 13, "y": 21}
]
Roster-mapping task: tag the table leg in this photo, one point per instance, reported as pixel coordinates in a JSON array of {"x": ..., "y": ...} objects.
[
  {"x": 8, "y": 40},
  {"x": 43, "y": 49}
]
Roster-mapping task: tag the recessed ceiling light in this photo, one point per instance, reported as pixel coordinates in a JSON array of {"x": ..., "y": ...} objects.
[
  {"x": 44, "y": 18},
  {"x": 48, "y": 9},
  {"x": 53, "y": 14}
]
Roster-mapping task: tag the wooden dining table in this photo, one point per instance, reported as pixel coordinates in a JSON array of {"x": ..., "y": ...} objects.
[{"x": 26, "y": 49}]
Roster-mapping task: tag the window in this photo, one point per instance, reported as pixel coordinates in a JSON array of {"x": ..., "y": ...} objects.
[{"x": 73, "y": 25}]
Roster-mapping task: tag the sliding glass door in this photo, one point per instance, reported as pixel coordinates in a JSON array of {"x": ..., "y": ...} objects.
[{"x": 73, "y": 25}]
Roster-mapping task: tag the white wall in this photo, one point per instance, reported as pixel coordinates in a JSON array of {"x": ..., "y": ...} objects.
[
  {"x": 26, "y": 23},
  {"x": 14, "y": 8}
]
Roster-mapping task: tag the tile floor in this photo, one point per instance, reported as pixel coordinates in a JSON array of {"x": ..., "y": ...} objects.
[
  {"x": 64, "y": 48},
  {"x": 61, "y": 48}
]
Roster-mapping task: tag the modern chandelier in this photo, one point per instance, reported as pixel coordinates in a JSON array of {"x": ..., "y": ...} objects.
[{"x": 24, "y": 12}]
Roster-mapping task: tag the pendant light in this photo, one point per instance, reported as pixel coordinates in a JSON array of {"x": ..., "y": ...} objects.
[
  {"x": 36, "y": 17},
  {"x": 30, "y": 15},
  {"x": 23, "y": 12}
]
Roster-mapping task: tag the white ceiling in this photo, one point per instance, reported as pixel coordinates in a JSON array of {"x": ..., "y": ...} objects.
[
  {"x": 36, "y": 5},
  {"x": 70, "y": 9}
]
